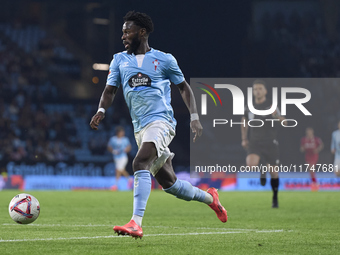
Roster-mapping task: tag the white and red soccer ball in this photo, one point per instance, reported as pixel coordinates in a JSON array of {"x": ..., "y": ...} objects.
[{"x": 24, "y": 208}]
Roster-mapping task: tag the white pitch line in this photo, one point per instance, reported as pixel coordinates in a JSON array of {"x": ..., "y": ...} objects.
[
  {"x": 112, "y": 236},
  {"x": 241, "y": 229},
  {"x": 102, "y": 225},
  {"x": 56, "y": 225},
  {"x": 269, "y": 231}
]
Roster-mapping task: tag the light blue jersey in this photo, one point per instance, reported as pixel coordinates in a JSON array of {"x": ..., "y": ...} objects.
[
  {"x": 119, "y": 145},
  {"x": 335, "y": 144},
  {"x": 146, "y": 83}
]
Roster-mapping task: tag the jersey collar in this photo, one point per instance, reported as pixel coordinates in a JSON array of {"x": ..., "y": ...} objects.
[{"x": 151, "y": 50}]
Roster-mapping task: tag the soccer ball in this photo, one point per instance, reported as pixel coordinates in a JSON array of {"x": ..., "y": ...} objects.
[{"x": 24, "y": 208}]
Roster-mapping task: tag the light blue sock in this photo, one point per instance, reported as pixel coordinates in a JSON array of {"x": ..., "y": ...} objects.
[
  {"x": 141, "y": 191},
  {"x": 184, "y": 190}
]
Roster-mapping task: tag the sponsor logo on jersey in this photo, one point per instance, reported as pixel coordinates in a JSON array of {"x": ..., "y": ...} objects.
[{"x": 139, "y": 79}]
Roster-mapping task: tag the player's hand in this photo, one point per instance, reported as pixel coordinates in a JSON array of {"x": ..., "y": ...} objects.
[
  {"x": 196, "y": 128},
  {"x": 245, "y": 144},
  {"x": 96, "y": 119}
]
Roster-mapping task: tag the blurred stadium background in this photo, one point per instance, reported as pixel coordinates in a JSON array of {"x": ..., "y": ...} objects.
[{"x": 53, "y": 68}]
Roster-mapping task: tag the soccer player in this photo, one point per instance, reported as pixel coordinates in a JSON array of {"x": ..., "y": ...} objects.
[
  {"x": 119, "y": 145},
  {"x": 311, "y": 146},
  {"x": 262, "y": 143},
  {"x": 145, "y": 75},
  {"x": 335, "y": 149}
]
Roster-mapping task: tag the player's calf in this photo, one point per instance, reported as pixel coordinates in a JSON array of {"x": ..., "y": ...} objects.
[{"x": 184, "y": 190}]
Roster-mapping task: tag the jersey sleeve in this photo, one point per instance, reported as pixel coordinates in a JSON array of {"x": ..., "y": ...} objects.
[
  {"x": 110, "y": 143},
  {"x": 113, "y": 77},
  {"x": 127, "y": 142},
  {"x": 333, "y": 143},
  {"x": 173, "y": 72}
]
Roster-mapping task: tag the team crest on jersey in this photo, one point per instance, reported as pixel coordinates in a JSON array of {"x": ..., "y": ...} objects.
[
  {"x": 139, "y": 79},
  {"x": 156, "y": 63}
]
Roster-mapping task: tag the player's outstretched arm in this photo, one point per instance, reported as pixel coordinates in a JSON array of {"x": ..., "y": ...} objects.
[
  {"x": 104, "y": 103},
  {"x": 190, "y": 102}
]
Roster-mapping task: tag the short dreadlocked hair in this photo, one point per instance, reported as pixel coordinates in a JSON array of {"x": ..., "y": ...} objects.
[{"x": 140, "y": 19}]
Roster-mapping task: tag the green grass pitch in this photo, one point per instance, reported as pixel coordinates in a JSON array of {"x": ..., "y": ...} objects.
[{"x": 80, "y": 222}]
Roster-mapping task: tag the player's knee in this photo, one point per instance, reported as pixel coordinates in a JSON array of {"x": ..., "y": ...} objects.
[
  {"x": 252, "y": 163},
  {"x": 274, "y": 175},
  {"x": 252, "y": 160},
  {"x": 140, "y": 164}
]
